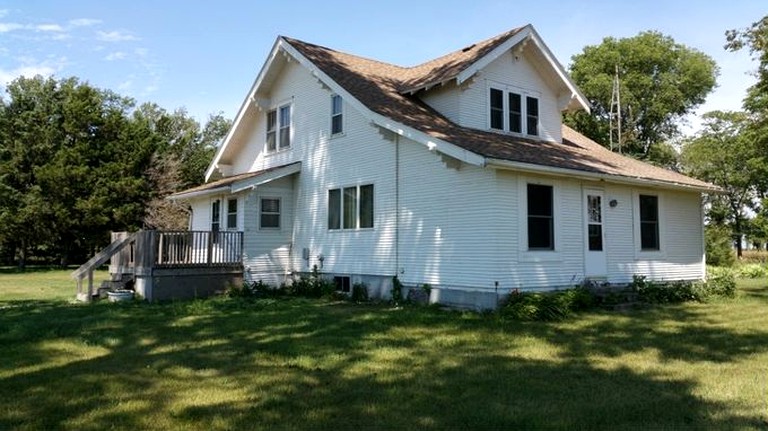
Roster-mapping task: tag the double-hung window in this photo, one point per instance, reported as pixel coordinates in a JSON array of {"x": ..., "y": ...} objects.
[
  {"x": 350, "y": 207},
  {"x": 270, "y": 213},
  {"x": 337, "y": 125},
  {"x": 649, "y": 223},
  {"x": 279, "y": 128},
  {"x": 215, "y": 215},
  {"x": 232, "y": 214},
  {"x": 507, "y": 112},
  {"x": 541, "y": 220}
]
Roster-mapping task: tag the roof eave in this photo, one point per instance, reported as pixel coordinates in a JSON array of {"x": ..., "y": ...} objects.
[
  {"x": 247, "y": 102},
  {"x": 596, "y": 176}
]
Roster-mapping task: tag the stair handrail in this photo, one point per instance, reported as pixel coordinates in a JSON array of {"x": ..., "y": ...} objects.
[{"x": 103, "y": 256}]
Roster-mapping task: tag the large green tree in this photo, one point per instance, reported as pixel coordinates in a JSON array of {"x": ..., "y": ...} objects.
[
  {"x": 726, "y": 154},
  {"x": 661, "y": 82},
  {"x": 77, "y": 161}
]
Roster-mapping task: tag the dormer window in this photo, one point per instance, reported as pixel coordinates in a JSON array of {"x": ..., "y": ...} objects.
[
  {"x": 508, "y": 113},
  {"x": 532, "y": 115},
  {"x": 279, "y": 138}
]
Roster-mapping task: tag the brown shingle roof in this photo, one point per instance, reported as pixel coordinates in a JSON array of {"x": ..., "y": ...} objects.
[
  {"x": 228, "y": 181},
  {"x": 382, "y": 88}
]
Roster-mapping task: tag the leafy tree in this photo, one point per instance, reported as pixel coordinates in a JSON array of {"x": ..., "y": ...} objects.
[
  {"x": 726, "y": 154},
  {"x": 661, "y": 82}
]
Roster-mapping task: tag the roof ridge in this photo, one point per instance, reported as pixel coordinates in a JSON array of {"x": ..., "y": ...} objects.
[{"x": 360, "y": 57}]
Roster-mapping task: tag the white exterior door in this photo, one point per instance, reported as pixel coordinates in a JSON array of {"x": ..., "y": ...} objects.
[{"x": 594, "y": 253}]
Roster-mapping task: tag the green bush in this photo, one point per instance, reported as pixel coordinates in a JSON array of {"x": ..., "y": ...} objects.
[
  {"x": 752, "y": 270},
  {"x": 721, "y": 282},
  {"x": 312, "y": 286},
  {"x": 359, "y": 292},
  {"x": 397, "y": 290},
  {"x": 665, "y": 292},
  {"x": 551, "y": 306},
  {"x": 719, "y": 246}
]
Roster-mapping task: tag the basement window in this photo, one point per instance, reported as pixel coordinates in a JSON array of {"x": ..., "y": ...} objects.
[{"x": 342, "y": 284}]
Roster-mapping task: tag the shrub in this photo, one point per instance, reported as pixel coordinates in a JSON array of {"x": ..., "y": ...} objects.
[
  {"x": 257, "y": 289},
  {"x": 312, "y": 286},
  {"x": 719, "y": 246},
  {"x": 359, "y": 292},
  {"x": 551, "y": 306},
  {"x": 397, "y": 290},
  {"x": 752, "y": 270},
  {"x": 665, "y": 292},
  {"x": 721, "y": 282},
  {"x": 754, "y": 256}
]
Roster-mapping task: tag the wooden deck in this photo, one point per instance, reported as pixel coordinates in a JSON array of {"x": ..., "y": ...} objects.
[{"x": 176, "y": 258}]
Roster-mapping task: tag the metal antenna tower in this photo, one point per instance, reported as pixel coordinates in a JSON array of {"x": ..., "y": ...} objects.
[{"x": 615, "y": 114}]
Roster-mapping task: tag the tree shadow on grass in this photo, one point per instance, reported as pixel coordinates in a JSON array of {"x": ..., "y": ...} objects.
[{"x": 290, "y": 364}]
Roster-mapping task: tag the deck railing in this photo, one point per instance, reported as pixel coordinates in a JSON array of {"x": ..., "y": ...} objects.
[{"x": 138, "y": 253}]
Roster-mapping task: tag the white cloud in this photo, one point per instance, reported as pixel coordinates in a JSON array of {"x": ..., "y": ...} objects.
[
  {"x": 49, "y": 27},
  {"x": 3, "y": 12},
  {"x": 84, "y": 22},
  {"x": 5, "y": 27},
  {"x": 115, "y": 36},
  {"x": 6, "y": 76},
  {"x": 141, "y": 52},
  {"x": 118, "y": 55}
]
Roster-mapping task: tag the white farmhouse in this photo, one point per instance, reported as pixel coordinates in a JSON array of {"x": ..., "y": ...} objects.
[{"x": 457, "y": 173}]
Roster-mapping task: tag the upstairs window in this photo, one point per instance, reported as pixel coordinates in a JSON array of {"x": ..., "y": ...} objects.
[
  {"x": 279, "y": 128},
  {"x": 541, "y": 220},
  {"x": 649, "y": 223},
  {"x": 532, "y": 115},
  {"x": 272, "y": 130},
  {"x": 232, "y": 214},
  {"x": 515, "y": 113},
  {"x": 497, "y": 109},
  {"x": 336, "y": 115},
  {"x": 507, "y": 112},
  {"x": 350, "y": 207},
  {"x": 285, "y": 127}
]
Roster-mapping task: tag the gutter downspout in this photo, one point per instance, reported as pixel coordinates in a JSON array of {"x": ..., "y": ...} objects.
[{"x": 397, "y": 204}]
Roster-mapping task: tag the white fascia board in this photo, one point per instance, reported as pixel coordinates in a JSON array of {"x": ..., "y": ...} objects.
[
  {"x": 480, "y": 64},
  {"x": 608, "y": 178},
  {"x": 185, "y": 196},
  {"x": 243, "y": 108},
  {"x": 560, "y": 71},
  {"x": 527, "y": 32},
  {"x": 252, "y": 183},
  {"x": 398, "y": 128}
]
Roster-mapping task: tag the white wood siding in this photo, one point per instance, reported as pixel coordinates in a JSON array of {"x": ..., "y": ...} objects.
[
  {"x": 448, "y": 221},
  {"x": 445, "y": 100},
  {"x": 474, "y": 100},
  {"x": 266, "y": 252}
]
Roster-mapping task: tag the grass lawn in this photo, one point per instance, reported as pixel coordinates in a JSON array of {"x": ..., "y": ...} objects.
[{"x": 304, "y": 364}]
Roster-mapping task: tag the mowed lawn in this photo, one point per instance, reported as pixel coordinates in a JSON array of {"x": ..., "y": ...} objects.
[{"x": 305, "y": 364}]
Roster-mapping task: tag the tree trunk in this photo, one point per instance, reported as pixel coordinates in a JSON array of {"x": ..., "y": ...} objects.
[{"x": 23, "y": 255}]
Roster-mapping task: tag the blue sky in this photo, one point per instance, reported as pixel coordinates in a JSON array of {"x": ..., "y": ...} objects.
[{"x": 204, "y": 55}]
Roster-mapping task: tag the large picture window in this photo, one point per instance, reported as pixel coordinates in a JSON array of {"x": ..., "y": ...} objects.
[
  {"x": 350, "y": 207},
  {"x": 279, "y": 128},
  {"x": 649, "y": 223},
  {"x": 541, "y": 226}
]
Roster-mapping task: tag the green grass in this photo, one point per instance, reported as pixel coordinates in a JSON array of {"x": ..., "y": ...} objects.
[{"x": 302, "y": 364}]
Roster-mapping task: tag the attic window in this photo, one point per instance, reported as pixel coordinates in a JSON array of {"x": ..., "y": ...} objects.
[
  {"x": 514, "y": 110},
  {"x": 279, "y": 128}
]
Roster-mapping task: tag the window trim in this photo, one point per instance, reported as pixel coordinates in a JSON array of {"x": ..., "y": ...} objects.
[
  {"x": 641, "y": 254},
  {"x": 539, "y": 255},
  {"x": 279, "y": 213},
  {"x": 358, "y": 219},
  {"x": 230, "y": 213},
  {"x": 339, "y": 114},
  {"x": 278, "y": 127},
  {"x": 507, "y": 91},
  {"x": 215, "y": 208}
]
